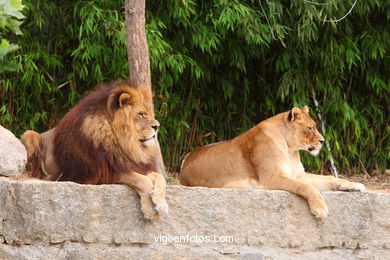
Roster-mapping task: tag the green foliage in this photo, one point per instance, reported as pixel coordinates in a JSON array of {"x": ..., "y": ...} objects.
[
  {"x": 10, "y": 16},
  {"x": 217, "y": 69}
]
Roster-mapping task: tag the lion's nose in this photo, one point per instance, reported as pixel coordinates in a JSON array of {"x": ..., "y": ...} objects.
[
  {"x": 321, "y": 141},
  {"x": 155, "y": 127}
]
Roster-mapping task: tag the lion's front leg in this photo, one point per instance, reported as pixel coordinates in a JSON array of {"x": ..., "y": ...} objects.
[
  {"x": 144, "y": 187},
  {"x": 316, "y": 202},
  {"x": 328, "y": 182},
  {"x": 158, "y": 192}
]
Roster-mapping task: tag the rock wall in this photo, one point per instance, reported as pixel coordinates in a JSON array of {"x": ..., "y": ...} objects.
[
  {"x": 13, "y": 156},
  {"x": 43, "y": 220}
]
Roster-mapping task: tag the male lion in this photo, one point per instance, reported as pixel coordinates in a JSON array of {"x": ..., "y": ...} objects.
[
  {"x": 267, "y": 157},
  {"x": 110, "y": 136}
]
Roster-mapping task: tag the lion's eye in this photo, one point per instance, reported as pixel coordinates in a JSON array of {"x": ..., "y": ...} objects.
[
  {"x": 141, "y": 115},
  {"x": 310, "y": 128}
]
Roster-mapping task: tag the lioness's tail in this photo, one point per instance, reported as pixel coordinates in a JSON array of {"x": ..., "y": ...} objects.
[{"x": 33, "y": 143}]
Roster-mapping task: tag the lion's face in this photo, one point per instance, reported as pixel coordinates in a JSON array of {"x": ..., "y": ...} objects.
[
  {"x": 127, "y": 122},
  {"x": 144, "y": 124},
  {"x": 305, "y": 135},
  {"x": 133, "y": 122}
]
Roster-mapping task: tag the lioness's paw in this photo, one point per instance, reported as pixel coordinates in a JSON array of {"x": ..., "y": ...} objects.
[
  {"x": 320, "y": 213},
  {"x": 319, "y": 208},
  {"x": 352, "y": 186}
]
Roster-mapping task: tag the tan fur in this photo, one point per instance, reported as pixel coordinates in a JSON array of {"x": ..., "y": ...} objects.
[
  {"x": 267, "y": 157},
  {"x": 32, "y": 141},
  {"x": 39, "y": 149},
  {"x": 125, "y": 127}
]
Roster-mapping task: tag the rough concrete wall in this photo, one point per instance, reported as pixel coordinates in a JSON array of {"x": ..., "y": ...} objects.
[{"x": 43, "y": 220}]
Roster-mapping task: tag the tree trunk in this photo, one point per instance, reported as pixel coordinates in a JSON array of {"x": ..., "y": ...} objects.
[
  {"x": 137, "y": 47},
  {"x": 138, "y": 53}
]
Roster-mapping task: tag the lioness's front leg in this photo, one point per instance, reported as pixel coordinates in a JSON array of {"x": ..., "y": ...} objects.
[
  {"x": 144, "y": 187},
  {"x": 158, "y": 192},
  {"x": 316, "y": 202},
  {"x": 328, "y": 182}
]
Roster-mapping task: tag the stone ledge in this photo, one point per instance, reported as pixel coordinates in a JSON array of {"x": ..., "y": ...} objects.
[{"x": 65, "y": 220}]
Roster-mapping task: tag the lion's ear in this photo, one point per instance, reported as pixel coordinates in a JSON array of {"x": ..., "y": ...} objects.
[
  {"x": 295, "y": 114},
  {"x": 117, "y": 100},
  {"x": 125, "y": 99},
  {"x": 305, "y": 109}
]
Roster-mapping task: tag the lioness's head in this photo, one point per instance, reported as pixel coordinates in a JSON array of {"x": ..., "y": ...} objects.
[{"x": 304, "y": 134}]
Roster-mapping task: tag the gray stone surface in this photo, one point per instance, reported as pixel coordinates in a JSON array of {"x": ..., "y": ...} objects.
[
  {"x": 44, "y": 220},
  {"x": 13, "y": 156}
]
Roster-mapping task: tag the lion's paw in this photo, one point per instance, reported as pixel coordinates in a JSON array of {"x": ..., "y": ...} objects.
[
  {"x": 352, "y": 186},
  {"x": 158, "y": 198},
  {"x": 150, "y": 214},
  {"x": 147, "y": 208},
  {"x": 162, "y": 208}
]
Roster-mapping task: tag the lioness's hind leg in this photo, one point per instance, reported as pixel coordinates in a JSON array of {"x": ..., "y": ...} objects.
[
  {"x": 144, "y": 187},
  {"x": 158, "y": 192}
]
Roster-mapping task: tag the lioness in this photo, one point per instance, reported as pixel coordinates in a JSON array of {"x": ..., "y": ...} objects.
[{"x": 267, "y": 157}]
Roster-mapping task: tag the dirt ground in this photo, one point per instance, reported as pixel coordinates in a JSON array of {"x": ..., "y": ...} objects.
[{"x": 379, "y": 182}]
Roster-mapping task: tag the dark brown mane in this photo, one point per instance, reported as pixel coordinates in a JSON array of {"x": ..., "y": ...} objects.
[{"x": 76, "y": 156}]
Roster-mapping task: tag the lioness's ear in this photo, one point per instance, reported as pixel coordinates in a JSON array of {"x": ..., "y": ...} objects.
[
  {"x": 294, "y": 114},
  {"x": 305, "y": 109}
]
